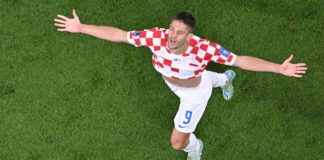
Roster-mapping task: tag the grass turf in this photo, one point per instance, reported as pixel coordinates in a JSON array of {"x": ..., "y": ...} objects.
[{"x": 69, "y": 96}]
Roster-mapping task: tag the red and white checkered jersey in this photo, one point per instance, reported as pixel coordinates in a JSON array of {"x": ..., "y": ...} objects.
[{"x": 188, "y": 65}]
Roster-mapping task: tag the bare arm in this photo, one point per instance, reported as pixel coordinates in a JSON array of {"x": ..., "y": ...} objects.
[
  {"x": 103, "y": 32},
  {"x": 257, "y": 64}
]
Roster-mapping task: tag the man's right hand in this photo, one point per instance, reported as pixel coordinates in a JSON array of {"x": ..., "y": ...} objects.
[
  {"x": 74, "y": 25},
  {"x": 67, "y": 24}
]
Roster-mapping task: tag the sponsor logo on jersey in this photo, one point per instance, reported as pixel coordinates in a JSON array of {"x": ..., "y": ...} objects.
[
  {"x": 137, "y": 33},
  {"x": 224, "y": 52}
]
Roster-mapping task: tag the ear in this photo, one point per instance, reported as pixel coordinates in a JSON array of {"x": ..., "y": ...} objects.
[{"x": 189, "y": 36}]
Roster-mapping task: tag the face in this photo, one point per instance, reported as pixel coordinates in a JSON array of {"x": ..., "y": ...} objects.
[{"x": 179, "y": 35}]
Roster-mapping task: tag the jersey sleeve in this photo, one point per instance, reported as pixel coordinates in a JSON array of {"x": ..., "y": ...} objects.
[
  {"x": 142, "y": 38},
  {"x": 222, "y": 55}
]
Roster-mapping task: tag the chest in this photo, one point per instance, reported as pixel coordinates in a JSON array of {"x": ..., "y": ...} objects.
[{"x": 165, "y": 58}]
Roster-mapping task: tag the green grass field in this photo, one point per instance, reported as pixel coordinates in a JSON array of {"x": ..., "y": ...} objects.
[{"x": 68, "y": 96}]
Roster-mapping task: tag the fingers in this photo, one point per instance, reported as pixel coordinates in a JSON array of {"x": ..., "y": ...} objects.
[
  {"x": 59, "y": 21},
  {"x": 61, "y": 29},
  {"x": 74, "y": 13},
  {"x": 300, "y": 64},
  {"x": 290, "y": 58},
  {"x": 62, "y": 17},
  {"x": 298, "y": 76},
  {"x": 59, "y": 25},
  {"x": 301, "y": 68},
  {"x": 300, "y": 72}
]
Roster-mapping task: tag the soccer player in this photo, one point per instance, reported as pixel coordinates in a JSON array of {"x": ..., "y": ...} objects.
[{"x": 182, "y": 58}]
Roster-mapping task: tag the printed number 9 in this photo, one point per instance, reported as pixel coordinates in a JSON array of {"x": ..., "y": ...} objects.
[{"x": 188, "y": 117}]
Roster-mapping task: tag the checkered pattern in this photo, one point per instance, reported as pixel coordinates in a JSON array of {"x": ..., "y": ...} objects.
[{"x": 188, "y": 65}]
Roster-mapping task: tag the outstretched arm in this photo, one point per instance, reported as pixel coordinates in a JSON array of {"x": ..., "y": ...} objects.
[
  {"x": 103, "y": 32},
  {"x": 257, "y": 64}
]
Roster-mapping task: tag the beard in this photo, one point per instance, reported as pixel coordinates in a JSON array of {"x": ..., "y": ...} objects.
[{"x": 173, "y": 45}]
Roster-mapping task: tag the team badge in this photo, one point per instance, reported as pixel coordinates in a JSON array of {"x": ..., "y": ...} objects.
[
  {"x": 224, "y": 52},
  {"x": 137, "y": 33}
]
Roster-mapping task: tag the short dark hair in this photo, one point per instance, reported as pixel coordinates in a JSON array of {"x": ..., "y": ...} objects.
[{"x": 186, "y": 18}]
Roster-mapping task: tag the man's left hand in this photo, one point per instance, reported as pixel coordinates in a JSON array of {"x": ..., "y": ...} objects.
[{"x": 294, "y": 70}]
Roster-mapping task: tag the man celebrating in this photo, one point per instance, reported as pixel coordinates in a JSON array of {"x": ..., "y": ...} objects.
[{"x": 182, "y": 58}]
